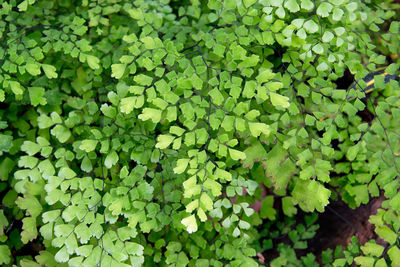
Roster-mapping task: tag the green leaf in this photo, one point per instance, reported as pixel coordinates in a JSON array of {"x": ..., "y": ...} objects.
[
  {"x": 222, "y": 174},
  {"x": 109, "y": 111},
  {"x": 213, "y": 186},
  {"x": 337, "y": 14},
  {"x": 394, "y": 254},
  {"x": 324, "y": 9},
  {"x": 318, "y": 49},
  {"x": 61, "y": 133},
  {"x": 288, "y": 207},
  {"x": 23, "y": 6},
  {"x": 190, "y": 224},
  {"x": 93, "y": 62},
  {"x": 117, "y": 70},
  {"x": 128, "y": 104},
  {"x": 111, "y": 159},
  {"x": 181, "y": 166},
  {"x": 249, "y": 3},
  {"x": 327, "y": 37},
  {"x": 257, "y": 128},
  {"x": 16, "y": 88},
  {"x": 30, "y": 148},
  {"x": 148, "y": 42},
  {"x": 30, "y": 204},
  {"x": 352, "y": 152},
  {"x": 206, "y": 201},
  {"x": 276, "y": 3},
  {"x": 88, "y": 145},
  {"x": 62, "y": 255},
  {"x": 33, "y": 69},
  {"x": 265, "y": 76},
  {"x": 86, "y": 165},
  {"x": 307, "y": 5},
  {"x": 386, "y": 234},
  {"x": 163, "y": 141},
  {"x": 267, "y": 211},
  {"x": 365, "y": 261},
  {"x": 292, "y": 6},
  {"x": 216, "y": 96},
  {"x": 36, "y": 95},
  {"x": 5, "y": 142},
  {"x": 317, "y": 196},
  {"x": 273, "y": 86},
  {"x": 236, "y": 154},
  {"x": 150, "y": 114},
  {"x": 279, "y": 100},
  {"x": 29, "y": 232},
  {"x": 50, "y": 71},
  {"x": 142, "y": 79},
  {"x": 5, "y": 254},
  {"x": 311, "y": 26},
  {"x": 66, "y": 173}
]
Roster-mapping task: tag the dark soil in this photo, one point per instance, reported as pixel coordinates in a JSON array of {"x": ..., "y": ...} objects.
[
  {"x": 339, "y": 223},
  {"x": 336, "y": 227}
]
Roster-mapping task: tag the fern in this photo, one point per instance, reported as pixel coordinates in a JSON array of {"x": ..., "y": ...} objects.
[{"x": 138, "y": 133}]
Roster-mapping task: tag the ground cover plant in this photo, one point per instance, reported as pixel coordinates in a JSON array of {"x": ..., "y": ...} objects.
[{"x": 196, "y": 133}]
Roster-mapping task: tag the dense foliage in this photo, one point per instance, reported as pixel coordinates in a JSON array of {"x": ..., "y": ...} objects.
[{"x": 143, "y": 132}]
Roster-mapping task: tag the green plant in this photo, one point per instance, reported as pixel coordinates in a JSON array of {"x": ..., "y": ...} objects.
[{"x": 138, "y": 132}]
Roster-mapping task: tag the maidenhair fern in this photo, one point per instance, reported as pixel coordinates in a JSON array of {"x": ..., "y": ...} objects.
[{"x": 139, "y": 132}]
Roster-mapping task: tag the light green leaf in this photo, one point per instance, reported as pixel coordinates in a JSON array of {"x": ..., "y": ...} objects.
[
  {"x": 30, "y": 148},
  {"x": 307, "y": 5},
  {"x": 352, "y": 152},
  {"x": 164, "y": 140},
  {"x": 249, "y": 3},
  {"x": 257, "y": 128},
  {"x": 111, "y": 159},
  {"x": 206, "y": 201},
  {"x": 190, "y": 224},
  {"x": 117, "y": 70},
  {"x": 128, "y": 104},
  {"x": 66, "y": 173},
  {"x": 86, "y": 165},
  {"x": 236, "y": 154},
  {"x": 327, "y": 37},
  {"x": 150, "y": 113},
  {"x": 337, "y": 14},
  {"x": 23, "y": 6},
  {"x": 216, "y": 97},
  {"x": 88, "y": 145},
  {"x": 148, "y": 42},
  {"x": 31, "y": 204},
  {"x": 222, "y": 174},
  {"x": 292, "y": 6},
  {"x": 33, "y": 69},
  {"x": 214, "y": 186},
  {"x": 311, "y": 26},
  {"x": 318, "y": 49},
  {"x": 386, "y": 234},
  {"x": 324, "y": 9},
  {"x": 61, "y": 133},
  {"x": 5, "y": 254},
  {"x": 50, "y": 71},
  {"x": 273, "y": 86},
  {"x": 181, "y": 166},
  {"x": 16, "y": 88},
  {"x": 93, "y": 62},
  {"x": 29, "y": 232},
  {"x": 279, "y": 100},
  {"x": 265, "y": 76}
]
